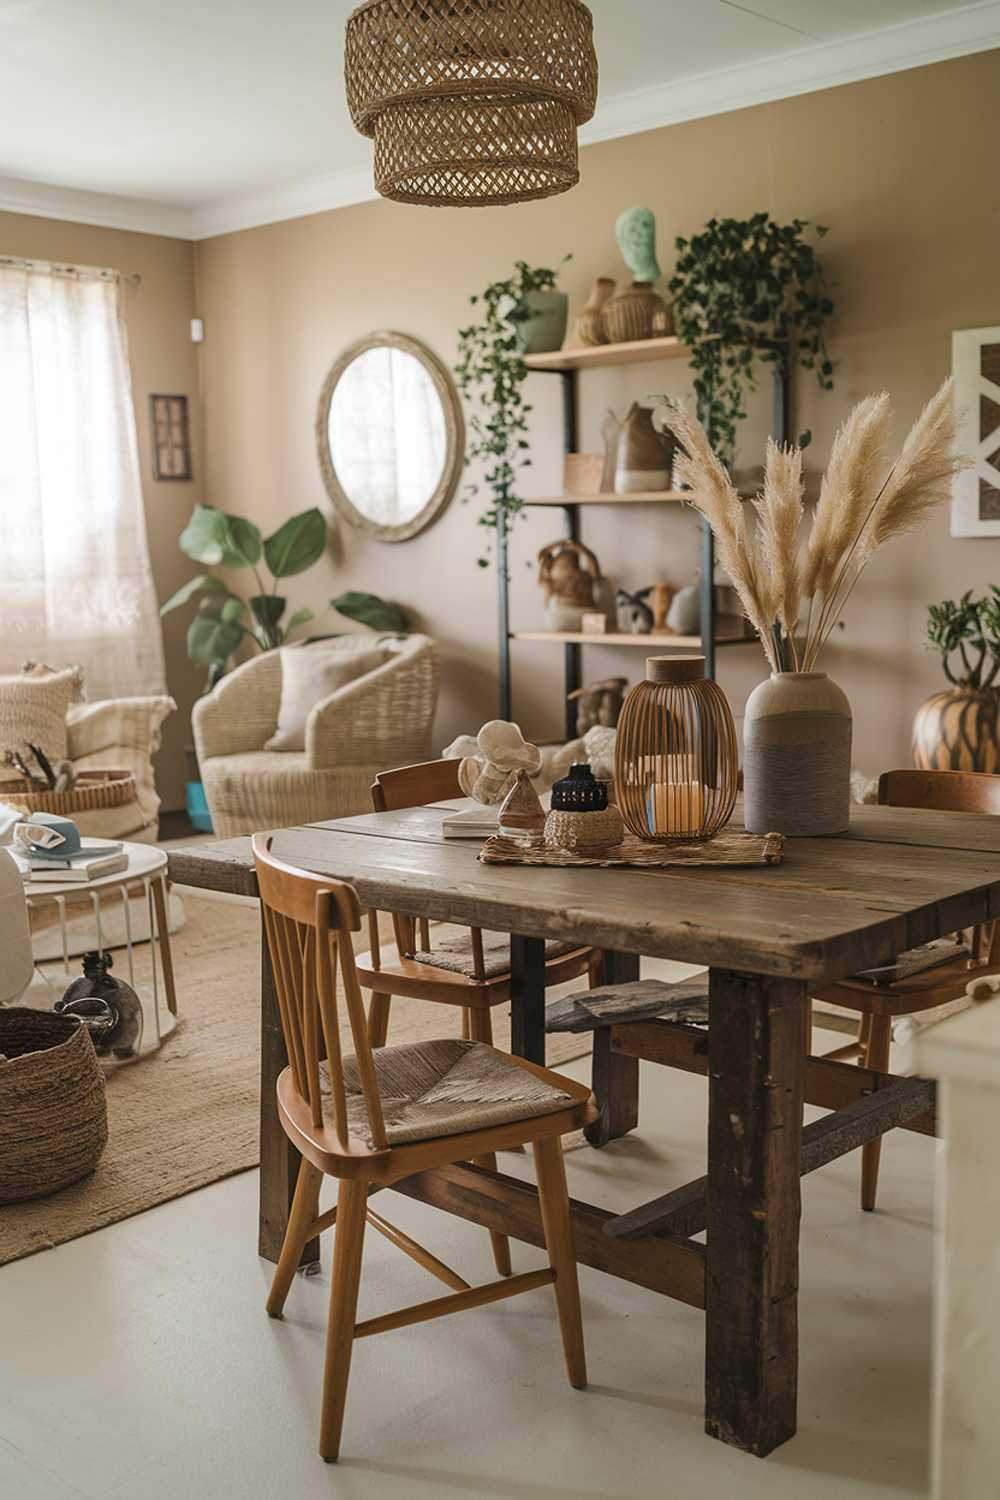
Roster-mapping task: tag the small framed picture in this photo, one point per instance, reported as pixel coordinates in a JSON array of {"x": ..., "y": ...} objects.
[
  {"x": 171, "y": 437},
  {"x": 975, "y": 363}
]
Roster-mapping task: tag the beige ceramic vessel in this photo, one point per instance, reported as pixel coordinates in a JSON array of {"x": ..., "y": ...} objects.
[{"x": 797, "y": 756}]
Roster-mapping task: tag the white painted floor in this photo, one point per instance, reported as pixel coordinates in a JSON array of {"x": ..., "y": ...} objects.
[{"x": 138, "y": 1363}]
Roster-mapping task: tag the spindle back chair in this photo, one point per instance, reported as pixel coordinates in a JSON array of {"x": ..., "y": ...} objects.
[{"x": 331, "y": 1108}]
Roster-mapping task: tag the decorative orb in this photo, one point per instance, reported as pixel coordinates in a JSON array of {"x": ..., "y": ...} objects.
[{"x": 676, "y": 761}]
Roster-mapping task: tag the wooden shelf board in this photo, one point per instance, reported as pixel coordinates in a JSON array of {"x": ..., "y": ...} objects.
[
  {"x": 612, "y": 638},
  {"x": 638, "y": 351},
  {"x": 607, "y": 497}
]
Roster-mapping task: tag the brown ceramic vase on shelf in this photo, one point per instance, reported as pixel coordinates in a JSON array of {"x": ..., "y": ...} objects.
[
  {"x": 637, "y": 312},
  {"x": 590, "y": 327},
  {"x": 958, "y": 730}
]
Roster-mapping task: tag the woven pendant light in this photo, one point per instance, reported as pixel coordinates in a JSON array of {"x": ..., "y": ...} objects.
[{"x": 471, "y": 102}]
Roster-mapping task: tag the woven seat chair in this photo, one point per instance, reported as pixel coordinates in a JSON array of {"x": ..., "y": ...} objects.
[
  {"x": 378, "y": 1117},
  {"x": 381, "y": 719}
]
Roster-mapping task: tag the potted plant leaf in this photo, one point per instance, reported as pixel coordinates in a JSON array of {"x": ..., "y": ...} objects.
[
  {"x": 519, "y": 316},
  {"x": 224, "y": 620},
  {"x": 958, "y": 729}
]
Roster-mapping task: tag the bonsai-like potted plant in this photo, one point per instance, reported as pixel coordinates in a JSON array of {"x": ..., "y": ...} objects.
[
  {"x": 748, "y": 292},
  {"x": 958, "y": 729},
  {"x": 516, "y": 319},
  {"x": 224, "y": 620}
]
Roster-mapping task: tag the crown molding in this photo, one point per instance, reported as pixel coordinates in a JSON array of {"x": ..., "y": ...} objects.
[
  {"x": 311, "y": 195},
  {"x": 105, "y": 210},
  {"x": 804, "y": 70},
  {"x": 911, "y": 44}
]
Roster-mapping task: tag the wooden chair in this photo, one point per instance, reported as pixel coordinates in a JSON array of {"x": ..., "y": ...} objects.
[
  {"x": 469, "y": 978},
  {"x": 922, "y": 977},
  {"x": 379, "y": 1116}
]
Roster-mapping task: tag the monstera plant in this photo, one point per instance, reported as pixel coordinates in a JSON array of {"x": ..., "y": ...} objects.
[{"x": 225, "y": 620}]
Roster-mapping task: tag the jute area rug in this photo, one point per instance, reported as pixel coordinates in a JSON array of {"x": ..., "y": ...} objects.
[{"x": 187, "y": 1115}]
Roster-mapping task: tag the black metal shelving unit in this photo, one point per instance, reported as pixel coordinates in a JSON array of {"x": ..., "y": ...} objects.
[{"x": 568, "y": 364}]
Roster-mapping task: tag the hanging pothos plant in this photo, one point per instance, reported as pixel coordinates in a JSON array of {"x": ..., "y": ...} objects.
[
  {"x": 490, "y": 373},
  {"x": 747, "y": 290}
]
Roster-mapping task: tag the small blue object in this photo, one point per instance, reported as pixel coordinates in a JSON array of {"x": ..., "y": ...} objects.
[
  {"x": 69, "y": 832},
  {"x": 197, "y": 806}
]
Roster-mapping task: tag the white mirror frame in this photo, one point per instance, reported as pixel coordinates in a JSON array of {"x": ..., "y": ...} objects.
[{"x": 454, "y": 425}]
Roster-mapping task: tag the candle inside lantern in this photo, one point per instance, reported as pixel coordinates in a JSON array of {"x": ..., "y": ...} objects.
[{"x": 674, "y": 807}]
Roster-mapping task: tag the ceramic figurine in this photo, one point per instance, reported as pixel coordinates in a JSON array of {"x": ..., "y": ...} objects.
[
  {"x": 488, "y": 772},
  {"x": 599, "y": 703},
  {"x": 638, "y": 312},
  {"x": 590, "y": 327},
  {"x": 634, "y": 615},
  {"x": 662, "y": 595},
  {"x": 521, "y": 814},
  {"x": 684, "y": 615}
]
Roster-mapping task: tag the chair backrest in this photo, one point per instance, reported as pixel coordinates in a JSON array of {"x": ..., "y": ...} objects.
[
  {"x": 941, "y": 791},
  {"x": 413, "y": 786},
  {"x": 950, "y": 791},
  {"x": 308, "y": 920}
]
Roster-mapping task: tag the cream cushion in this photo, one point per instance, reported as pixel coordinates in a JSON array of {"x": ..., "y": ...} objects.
[
  {"x": 33, "y": 707},
  {"x": 436, "y": 1088},
  {"x": 119, "y": 734},
  {"x": 308, "y": 675}
]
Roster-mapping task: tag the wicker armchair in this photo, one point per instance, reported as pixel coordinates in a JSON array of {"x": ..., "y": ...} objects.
[{"x": 378, "y": 721}]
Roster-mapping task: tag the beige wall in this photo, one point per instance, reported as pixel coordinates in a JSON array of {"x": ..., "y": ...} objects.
[
  {"x": 894, "y": 166},
  {"x": 158, "y": 313}
]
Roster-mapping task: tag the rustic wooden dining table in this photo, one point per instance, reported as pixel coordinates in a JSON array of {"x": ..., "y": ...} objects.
[{"x": 770, "y": 936}]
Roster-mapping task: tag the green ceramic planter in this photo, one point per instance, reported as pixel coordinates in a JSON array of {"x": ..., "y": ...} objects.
[{"x": 545, "y": 327}]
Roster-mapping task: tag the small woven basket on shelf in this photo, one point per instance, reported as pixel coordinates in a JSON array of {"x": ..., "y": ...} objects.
[
  {"x": 470, "y": 103},
  {"x": 53, "y": 1108},
  {"x": 90, "y": 791}
]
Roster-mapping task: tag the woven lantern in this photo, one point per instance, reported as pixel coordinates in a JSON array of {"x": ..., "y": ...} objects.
[
  {"x": 471, "y": 102},
  {"x": 676, "y": 762}
]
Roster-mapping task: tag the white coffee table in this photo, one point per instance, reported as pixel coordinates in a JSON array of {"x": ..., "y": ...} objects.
[{"x": 147, "y": 869}]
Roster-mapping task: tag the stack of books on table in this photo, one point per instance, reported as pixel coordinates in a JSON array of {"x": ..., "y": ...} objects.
[{"x": 95, "y": 859}]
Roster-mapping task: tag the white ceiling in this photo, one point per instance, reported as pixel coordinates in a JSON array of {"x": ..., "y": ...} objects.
[{"x": 191, "y": 117}]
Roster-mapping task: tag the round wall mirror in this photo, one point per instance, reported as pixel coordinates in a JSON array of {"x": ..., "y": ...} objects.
[{"x": 390, "y": 435}]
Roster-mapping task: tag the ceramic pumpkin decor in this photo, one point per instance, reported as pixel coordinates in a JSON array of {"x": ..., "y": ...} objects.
[{"x": 958, "y": 729}]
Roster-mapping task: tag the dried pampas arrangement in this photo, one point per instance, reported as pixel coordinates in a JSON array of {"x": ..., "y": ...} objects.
[{"x": 861, "y": 505}]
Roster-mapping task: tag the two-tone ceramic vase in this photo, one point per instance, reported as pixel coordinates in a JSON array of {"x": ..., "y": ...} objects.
[{"x": 797, "y": 756}]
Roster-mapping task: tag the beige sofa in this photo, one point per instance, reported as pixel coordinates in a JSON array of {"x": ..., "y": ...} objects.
[{"x": 374, "y": 723}]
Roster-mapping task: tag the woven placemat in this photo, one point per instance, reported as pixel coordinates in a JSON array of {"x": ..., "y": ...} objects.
[{"x": 728, "y": 847}]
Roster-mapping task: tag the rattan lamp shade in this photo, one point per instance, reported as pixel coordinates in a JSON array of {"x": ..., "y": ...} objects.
[
  {"x": 471, "y": 102},
  {"x": 676, "y": 761}
]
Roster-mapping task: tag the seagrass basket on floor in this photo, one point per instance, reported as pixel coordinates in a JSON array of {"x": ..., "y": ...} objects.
[{"x": 53, "y": 1108}]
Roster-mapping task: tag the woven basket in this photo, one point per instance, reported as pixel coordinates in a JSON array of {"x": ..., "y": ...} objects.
[
  {"x": 53, "y": 1110},
  {"x": 91, "y": 791}
]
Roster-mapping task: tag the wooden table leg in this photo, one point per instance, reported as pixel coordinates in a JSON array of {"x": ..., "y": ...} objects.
[
  {"x": 279, "y": 1161},
  {"x": 527, "y": 998},
  {"x": 615, "y": 1078},
  {"x": 753, "y": 1206}
]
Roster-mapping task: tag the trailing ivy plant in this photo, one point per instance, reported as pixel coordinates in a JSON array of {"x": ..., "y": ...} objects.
[
  {"x": 490, "y": 373},
  {"x": 971, "y": 625},
  {"x": 224, "y": 620},
  {"x": 740, "y": 288}
]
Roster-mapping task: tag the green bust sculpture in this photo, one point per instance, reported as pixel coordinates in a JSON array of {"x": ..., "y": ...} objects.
[{"x": 635, "y": 230}]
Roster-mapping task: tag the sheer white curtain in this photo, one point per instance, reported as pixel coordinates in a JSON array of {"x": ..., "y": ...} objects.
[{"x": 75, "y": 577}]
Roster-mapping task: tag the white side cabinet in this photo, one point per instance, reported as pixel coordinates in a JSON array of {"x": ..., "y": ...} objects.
[{"x": 963, "y": 1054}]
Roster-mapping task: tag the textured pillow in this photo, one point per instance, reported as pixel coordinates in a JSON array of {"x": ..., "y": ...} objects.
[
  {"x": 308, "y": 675},
  {"x": 119, "y": 734},
  {"x": 33, "y": 710}
]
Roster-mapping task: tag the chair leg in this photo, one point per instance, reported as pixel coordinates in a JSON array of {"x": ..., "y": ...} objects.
[
  {"x": 466, "y": 1024},
  {"x": 481, "y": 1030},
  {"x": 378, "y": 1018},
  {"x": 305, "y": 1207},
  {"x": 876, "y": 1057},
  {"x": 550, "y": 1169},
  {"x": 348, "y": 1244}
]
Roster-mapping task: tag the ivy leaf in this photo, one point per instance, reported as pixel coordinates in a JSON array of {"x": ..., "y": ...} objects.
[{"x": 297, "y": 544}]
